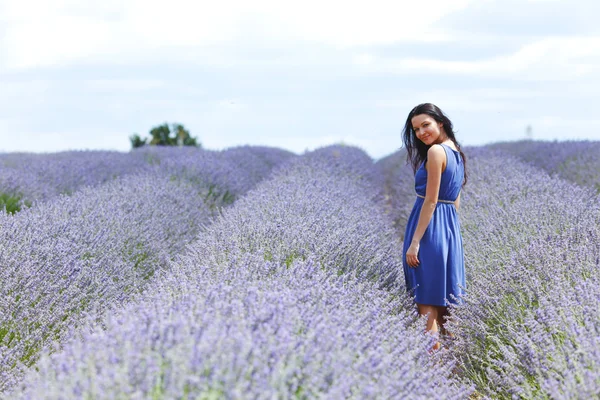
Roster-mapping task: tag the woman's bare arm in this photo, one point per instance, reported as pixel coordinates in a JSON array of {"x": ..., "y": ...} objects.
[
  {"x": 436, "y": 158},
  {"x": 457, "y": 202}
]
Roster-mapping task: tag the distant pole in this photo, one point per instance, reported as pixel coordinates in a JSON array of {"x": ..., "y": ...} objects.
[{"x": 529, "y": 132}]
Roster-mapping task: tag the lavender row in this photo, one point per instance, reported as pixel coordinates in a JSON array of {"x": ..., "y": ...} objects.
[
  {"x": 31, "y": 178},
  {"x": 262, "y": 333},
  {"x": 38, "y": 177},
  {"x": 322, "y": 203},
  {"x": 529, "y": 330},
  {"x": 355, "y": 164},
  {"x": 290, "y": 293},
  {"x": 72, "y": 254},
  {"x": 229, "y": 173},
  {"x": 530, "y": 242},
  {"x": 83, "y": 252},
  {"x": 398, "y": 183},
  {"x": 576, "y": 161}
]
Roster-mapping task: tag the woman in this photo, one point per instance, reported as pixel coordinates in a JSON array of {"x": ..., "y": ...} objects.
[{"x": 433, "y": 251}]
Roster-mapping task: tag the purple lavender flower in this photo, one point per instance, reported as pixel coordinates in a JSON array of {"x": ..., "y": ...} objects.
[
  {"x": 573, "y": 160},
  {"x": 84, "y": 251}
]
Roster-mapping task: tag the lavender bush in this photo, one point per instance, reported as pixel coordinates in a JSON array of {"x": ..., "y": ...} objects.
[
  {"x": 534, "y": 336},
  {"x": 352, "y": 163},
  {"x": 522, "y": 228},
  {"x": 313, "y": 206},
  {"x": 281, "y": 297},
  {"x": 573, "y": 160},
  {"x": 28, "y": 178},
  {"x": 39, "y": 177},
  {"x": 398, "y": 183},
  {"x": 229, "y": 173},
  {"x": 262, "y": 332},
  {"x": 86, "y": 251},
  {"x": 508, "y": 203},
  {"x": 99, "y": 246}
]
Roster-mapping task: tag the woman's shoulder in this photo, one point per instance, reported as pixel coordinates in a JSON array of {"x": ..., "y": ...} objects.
[{"x": 437, "y": 151}]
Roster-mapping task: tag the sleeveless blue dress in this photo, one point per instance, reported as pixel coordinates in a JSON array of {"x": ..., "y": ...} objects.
[{"x": 441, "y": 270}]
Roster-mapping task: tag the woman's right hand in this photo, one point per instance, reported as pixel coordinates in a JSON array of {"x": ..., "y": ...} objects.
[{"x": 412, "y": 255}]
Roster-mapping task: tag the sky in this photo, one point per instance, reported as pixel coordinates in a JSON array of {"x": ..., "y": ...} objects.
[{"x": 86, "y": 75}]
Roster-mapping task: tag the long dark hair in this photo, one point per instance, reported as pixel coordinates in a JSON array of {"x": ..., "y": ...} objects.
[{"x": 417, "y": 150}]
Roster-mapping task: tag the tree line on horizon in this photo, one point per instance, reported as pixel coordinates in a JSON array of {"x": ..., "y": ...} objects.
[{"x": 165, "y": 135}]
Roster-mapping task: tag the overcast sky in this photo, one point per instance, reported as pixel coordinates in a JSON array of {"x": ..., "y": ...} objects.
[{"x": 296, "y": 75}]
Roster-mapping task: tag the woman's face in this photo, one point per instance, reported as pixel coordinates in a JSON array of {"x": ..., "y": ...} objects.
[{"x": 428, "y": 130}]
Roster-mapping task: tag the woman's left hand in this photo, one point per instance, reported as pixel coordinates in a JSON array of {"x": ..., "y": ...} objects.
[{"x": 412, "y": 253}]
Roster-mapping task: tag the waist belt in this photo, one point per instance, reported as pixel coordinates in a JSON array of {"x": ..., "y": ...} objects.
[{"x": 439, "y": 200}]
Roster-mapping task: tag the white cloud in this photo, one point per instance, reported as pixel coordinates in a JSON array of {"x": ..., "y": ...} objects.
[
  {"x": 134, "y": 85},
  {"x": 551, "y": 58},
  {"x": 31, "y": 89},
  {"x": 363, "y": 59},
  {"x": 46, "y": 39},
  {"x": 480, "y": 99},
  {"x": 357, "y": 23},
  {"x": 42, "y": 33}
]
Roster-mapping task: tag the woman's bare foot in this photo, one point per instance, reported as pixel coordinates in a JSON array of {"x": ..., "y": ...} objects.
[{"x": 435, "y": 347}]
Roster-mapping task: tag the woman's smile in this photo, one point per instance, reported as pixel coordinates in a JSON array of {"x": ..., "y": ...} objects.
[{"x": 427, "y": 129}]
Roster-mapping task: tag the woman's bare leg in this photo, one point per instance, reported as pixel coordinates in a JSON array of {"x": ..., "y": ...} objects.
[
  {"x": 432, "y": 319},
  {"x": 442, "y": 312}
]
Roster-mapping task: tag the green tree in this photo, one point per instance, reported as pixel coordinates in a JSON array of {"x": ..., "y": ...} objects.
[
  {"x": 182, "y": 136},
  {"x": 160, "y": 135},
  {"x": 136, "y": 141}
]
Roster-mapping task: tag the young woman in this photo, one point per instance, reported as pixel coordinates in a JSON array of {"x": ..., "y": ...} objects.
[{"x": 433, "y": 252}]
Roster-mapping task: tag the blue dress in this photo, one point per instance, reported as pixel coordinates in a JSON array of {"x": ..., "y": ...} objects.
[{"x": 441, "y": 270}]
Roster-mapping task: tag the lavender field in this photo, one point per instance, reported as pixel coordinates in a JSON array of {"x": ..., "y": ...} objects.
[{"x": 257, "y": 273}]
